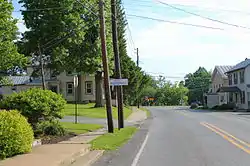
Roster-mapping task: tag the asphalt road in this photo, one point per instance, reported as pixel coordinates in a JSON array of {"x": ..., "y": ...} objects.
[{"x": 178, "y": 136}]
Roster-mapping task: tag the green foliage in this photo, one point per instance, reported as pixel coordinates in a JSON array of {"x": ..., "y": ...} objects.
[
  {"x": 229, "y": 106},
  {"x": 9, "y": 56},
  {"x": 112, "y": 141},
  {"x": 50, "y": 128},
  {"x": 16, "y": 134},
  {"x": 165, "y": 93},
  {"x": 198, "y": 84},
  {"x": 36, "y": 104},
  {"x": 74, "y": 31}
]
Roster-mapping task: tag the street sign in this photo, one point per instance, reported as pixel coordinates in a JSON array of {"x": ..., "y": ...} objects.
[{"x": 118, "y": 82}]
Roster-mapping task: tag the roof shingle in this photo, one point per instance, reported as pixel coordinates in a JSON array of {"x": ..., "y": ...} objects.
[
  {"x": 240, "y": 65},
  {"x": 223, "y": 69}
]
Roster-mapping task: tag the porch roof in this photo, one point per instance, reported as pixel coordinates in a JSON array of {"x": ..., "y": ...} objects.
[{"x": 229, "y": 89}]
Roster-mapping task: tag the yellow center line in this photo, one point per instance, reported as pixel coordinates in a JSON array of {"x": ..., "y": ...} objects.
[
  {"x": 230, "y": 135},
  {"x": 226, "y": 137}
]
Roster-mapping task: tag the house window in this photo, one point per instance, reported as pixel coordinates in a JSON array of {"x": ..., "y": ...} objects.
[
  {"x": 230, "y": 80},
  {"x": 89, "y": 87},
  {"x": 70, "y": 88},
  {"x": 235, "y": 78},
  {"x": 242, "y": 78},
  {"x": 243, "y": 97}
]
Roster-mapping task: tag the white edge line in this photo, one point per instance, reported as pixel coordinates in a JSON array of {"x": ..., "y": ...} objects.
[{"x": 137, "y": 157}]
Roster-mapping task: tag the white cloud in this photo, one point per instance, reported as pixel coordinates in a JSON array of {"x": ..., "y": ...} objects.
[{"x": 173, "y": 49}]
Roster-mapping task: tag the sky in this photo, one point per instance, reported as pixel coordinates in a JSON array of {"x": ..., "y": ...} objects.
[{"x": 175, "y": 50}]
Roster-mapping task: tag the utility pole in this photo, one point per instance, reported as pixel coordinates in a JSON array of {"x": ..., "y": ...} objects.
[
  {"x": 42, "y": 69},
  {"x": 117, "y": 64},
  {"x": 137, "y": 62},
  {"x": 105, "y": 67}
]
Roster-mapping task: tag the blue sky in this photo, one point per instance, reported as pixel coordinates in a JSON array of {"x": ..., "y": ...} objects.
[{"x": 175, "y": 50}]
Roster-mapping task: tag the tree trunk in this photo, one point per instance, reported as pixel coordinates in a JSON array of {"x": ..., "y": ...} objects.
[{"x": 99, "y": 102}]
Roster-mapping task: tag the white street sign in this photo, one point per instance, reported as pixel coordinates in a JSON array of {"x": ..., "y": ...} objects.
[{"x": 118, "y": 82}]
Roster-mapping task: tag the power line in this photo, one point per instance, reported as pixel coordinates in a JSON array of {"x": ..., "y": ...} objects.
[
  {"x": 44, "y": 9},
  {"x": 175, "y": 22},
  {"x": 142, "y": 3},
  {"x": 204, "y": 17}
]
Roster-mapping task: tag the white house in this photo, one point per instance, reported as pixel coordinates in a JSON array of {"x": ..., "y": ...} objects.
[
  {"x": 219, "y": 79},
  {"x": 239, "y": 85}
]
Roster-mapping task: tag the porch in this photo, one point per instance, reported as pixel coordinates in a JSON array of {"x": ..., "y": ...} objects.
[{"x": 235, "y": 96}]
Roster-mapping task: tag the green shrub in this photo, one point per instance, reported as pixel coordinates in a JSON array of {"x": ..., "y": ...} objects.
[
  {"x": 229, "y": 106},
  {"x": 50, "y": 128},
  {"x": 36, "y": 104},
  {"x": 16, "y": 134}
]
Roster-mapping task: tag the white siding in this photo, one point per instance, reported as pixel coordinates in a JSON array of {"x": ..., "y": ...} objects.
[{"x": 242, "y": 87}]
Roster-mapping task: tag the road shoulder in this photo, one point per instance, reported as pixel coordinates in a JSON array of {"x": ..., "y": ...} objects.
[{"x": 126, "y": 154}]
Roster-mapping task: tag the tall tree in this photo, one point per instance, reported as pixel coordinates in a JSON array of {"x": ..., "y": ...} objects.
[
  {"x": 198, "y": 84},
  {"x": 69, "y": 29},
  {"x": 136, "y": 77},
  {"x": 10, "y": 59}
]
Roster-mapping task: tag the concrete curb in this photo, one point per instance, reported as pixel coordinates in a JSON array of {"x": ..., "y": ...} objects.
[
  {"x": 89, "y": 159},
  {"x": 70, "y": 160}
]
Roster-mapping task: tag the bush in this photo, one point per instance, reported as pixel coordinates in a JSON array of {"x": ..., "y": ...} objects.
[
  {"x": 16, "y": 134},
  {"x": 36, "y": 104},
  {"x": 194, "y": 106},
  {"x": 229, "y": 106},
  {"x": 49, "y": 128}
]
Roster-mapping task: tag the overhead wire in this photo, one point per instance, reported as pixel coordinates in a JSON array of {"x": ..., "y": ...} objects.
[
  {"x": 130, "y": 37},
  {"x": 204, "y": 17},
  {"x": 175, "y": 22}
]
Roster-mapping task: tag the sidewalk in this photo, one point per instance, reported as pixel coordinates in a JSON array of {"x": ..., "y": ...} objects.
[
  {"x": 137, "y": 116},
  {"x": 62, "y": 154},
  {"x": 72, "y": 152}
]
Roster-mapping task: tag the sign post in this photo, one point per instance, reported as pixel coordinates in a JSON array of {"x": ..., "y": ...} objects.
[{"x": 75, "y": 88}]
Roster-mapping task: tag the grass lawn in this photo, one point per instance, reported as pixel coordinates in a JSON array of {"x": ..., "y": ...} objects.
[
  {"x": 112, "y": 141},
  {"x": 88, "y": 110},
  {"x": 80, "y": 128}
]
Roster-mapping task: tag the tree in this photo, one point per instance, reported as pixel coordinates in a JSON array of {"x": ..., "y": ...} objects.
[
  {"x": 198, "y": 84},
  {"x": 10, "y": 59},
  {"x": 72, "y": 31},
  {"x": 136, "y": 77}
]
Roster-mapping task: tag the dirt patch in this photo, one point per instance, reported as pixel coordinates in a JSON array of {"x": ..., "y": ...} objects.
[{"x": 57, "y": 139}]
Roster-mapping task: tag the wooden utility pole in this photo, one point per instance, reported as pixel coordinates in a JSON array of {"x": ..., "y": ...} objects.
[
  {"x": 137, "y": 62},
  {"x": 42, "y": 69},
  {"x": 105, "y": 67},
  {"x": 117, "y": 64}
]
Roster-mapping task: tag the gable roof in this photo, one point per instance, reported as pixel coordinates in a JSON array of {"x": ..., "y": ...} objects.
[
  {"x": 222, "y": 70},
  {"x": 23, "y": 80},
  {"x": 241, "y": 65},
  {"x": 19, "y": 80}
]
